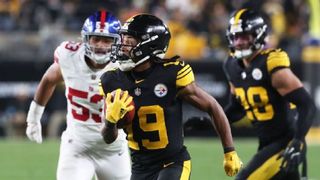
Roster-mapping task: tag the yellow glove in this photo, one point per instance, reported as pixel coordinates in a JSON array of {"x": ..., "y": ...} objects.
[
  {"x": 232, "y": 163},
  {"x": 116, "y": 109}
]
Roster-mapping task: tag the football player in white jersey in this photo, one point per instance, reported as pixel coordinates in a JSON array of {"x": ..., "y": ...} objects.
[{"x": 83, "y": 153}]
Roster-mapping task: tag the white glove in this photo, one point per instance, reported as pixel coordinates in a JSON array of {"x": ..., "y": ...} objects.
[{"x": 33, "y": 122}]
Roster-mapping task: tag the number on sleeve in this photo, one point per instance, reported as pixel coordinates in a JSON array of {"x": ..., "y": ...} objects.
[{"x": 72, "y": 46}]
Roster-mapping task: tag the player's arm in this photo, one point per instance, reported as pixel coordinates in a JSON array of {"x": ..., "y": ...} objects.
[
  {"x": 290, "y": 87},
  {"x": 205, "y": 102},
  {"x": 47, "y": 85},
  {"x": 43, "y": 93},
  {"x": 109, "y": 131},
  {"x": 234, "y": 110},
  {"x": 117, "y": 106}
]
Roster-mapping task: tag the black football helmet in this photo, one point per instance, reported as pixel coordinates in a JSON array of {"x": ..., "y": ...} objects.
[
  {"x": 153, "y": 39},
  {"x": 250, "y": 22}
]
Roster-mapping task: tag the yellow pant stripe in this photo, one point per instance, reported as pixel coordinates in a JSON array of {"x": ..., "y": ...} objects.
[
  {"x": 186, "y": 170},
  {"x": 268, "y": 169}
]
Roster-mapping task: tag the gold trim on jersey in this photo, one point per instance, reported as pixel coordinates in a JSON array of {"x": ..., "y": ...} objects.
[
  {"x": 238, "y": 15},
  {"x": 171, "y": 63},
  {"x": 186, "y": 170},
  {"x": 185, "y": 76},
  {"x": 276, "y": 59}
]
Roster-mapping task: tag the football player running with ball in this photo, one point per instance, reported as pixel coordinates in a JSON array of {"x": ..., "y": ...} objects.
[
  {"x": 262, "y": 87},
  {"x": 158, "y": 86},
  {"x": 83, "y": 153}
]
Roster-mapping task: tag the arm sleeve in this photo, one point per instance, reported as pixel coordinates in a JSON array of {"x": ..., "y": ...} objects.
[
  {"x": 234, "y": 110},
  {"x": 306, "y": 110}
]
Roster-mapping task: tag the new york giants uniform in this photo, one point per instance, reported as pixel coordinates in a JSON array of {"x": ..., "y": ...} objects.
[{"x": 83, "y": 152}]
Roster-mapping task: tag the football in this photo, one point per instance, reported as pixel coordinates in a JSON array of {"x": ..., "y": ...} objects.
[{"x": 128, "y": 117}]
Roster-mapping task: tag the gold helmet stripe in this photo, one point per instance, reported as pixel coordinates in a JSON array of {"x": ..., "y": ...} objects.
[{"x": 238, "y": 15}]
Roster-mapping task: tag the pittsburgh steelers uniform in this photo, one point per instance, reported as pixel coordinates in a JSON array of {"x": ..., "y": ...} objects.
[
  {"x": 268, "y": 111},
  {"x": 155, "y": 136}
]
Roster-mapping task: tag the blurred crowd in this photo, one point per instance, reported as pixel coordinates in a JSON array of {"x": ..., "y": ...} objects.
[
  {"x": 197, "y": 26},
  {"x": 31, "y": 29}
]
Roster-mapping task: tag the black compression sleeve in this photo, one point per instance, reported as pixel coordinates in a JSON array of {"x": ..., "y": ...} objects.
[
  {"x": 306, "y": 110},
  {"x": 234, "y": 110}
]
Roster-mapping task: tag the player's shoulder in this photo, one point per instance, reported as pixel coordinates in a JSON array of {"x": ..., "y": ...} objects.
[
  {"x": 67, "y": 49},
  {"x": 176, "y": 65},
  {"x": 229, "y": 63},
  {"x": 109, "y": 74},
  {"x": 181, "y": 69},
  {"x": 275, "y": 59}
]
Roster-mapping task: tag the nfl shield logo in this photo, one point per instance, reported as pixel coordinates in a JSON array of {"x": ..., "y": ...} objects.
[{"x": 137, "y": 91}]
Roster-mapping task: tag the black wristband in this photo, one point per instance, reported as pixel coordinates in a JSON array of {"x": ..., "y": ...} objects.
[
  {"x": 228, "y": 149},
  {"x": 110, "y": 125}
]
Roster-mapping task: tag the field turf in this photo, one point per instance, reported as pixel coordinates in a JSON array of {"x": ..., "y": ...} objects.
[{"x": 24, "y": 160}]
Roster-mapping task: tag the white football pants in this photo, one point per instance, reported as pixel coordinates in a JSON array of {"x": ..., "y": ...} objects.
[{"x": 83, "y": 161}]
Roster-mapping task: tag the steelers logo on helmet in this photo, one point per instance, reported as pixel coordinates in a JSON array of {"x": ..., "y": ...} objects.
[
  {"x": 160, "y": 90},
  {"x": 257, "y": 74}
]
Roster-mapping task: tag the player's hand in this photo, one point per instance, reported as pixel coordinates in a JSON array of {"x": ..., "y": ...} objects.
[
  {"x": 117, "y": 108},
  {"x": 292, "y": 155},
  {"x": 232, "y": 163},
  {"x": 33, "y": 131}
]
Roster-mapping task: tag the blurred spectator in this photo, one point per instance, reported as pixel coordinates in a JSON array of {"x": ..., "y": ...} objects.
[
  {"x": 200, "y": 23},
  {"x": 9, "y": 12},
  {"x": 15, "y": 114}
]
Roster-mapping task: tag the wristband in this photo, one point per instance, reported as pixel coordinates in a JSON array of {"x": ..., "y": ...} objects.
[
  {"x": 35, "y": 112},
  {"x": 228, "y": 149}
]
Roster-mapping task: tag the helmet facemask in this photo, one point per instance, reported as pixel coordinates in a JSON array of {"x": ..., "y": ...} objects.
[
  {"x": 100, "y": 55},
  {"x": 125, "y": 61}
]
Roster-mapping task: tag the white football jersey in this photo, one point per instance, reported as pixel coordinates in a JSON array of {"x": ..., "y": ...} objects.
[{"x": 85, "y": 104}]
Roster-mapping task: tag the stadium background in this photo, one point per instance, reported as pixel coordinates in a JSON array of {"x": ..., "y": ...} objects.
[{"x": 31, "y": 29}]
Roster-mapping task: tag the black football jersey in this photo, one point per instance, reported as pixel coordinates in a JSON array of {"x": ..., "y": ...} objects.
[
  {"x": 156, "y": 132},
  {"x": 264, "y": 106}
]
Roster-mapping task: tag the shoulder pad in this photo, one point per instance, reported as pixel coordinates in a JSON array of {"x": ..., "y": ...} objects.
[
  {"x": 65, "y": 48},
  {"x": 277, "y": 59},
  {"x": 185, "y": 74},
  {"x": 112, "y": 66}
]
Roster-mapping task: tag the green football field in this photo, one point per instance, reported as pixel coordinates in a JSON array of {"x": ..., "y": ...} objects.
[{"x": 24, "y": 160}]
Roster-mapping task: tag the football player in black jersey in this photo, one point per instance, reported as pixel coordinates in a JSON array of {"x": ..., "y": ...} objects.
[
  {"x": 158, "y": 87},
  {"x": 262, "y": 88}
]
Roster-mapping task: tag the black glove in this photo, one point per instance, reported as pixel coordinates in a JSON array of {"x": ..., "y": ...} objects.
[{"x": 292, "y": 155}]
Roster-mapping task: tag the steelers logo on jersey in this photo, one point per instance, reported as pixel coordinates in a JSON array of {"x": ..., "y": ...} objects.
[
  {"x": 160, "y": 90},
  {"x": 257, "y": 74}
]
